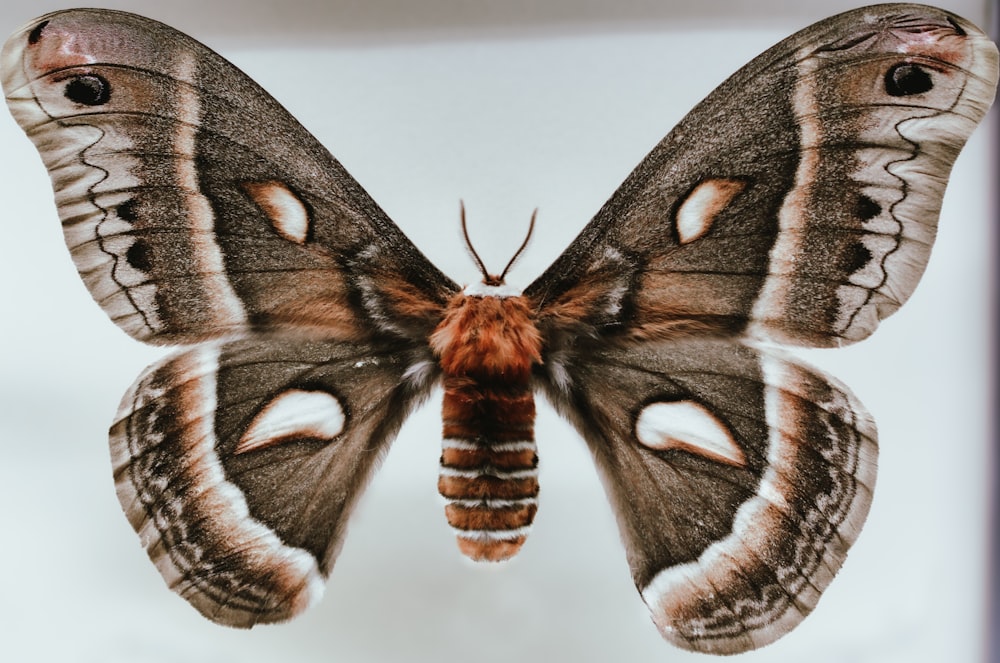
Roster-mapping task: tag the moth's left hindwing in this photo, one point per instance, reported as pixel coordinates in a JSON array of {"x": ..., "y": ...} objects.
[{"x": 238, "y": 463}]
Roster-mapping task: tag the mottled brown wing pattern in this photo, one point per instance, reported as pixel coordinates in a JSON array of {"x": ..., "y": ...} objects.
[
  {"x": 193, "y": 204},
  {"x": 195, "y": 207},
  {"x": 798, "y": 202},
  {"x": 238, "y": 464},
  {"x": 740, "y": 479}
]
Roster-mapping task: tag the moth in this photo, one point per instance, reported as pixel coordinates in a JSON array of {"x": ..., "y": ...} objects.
[{"x": 796, "y": 205}]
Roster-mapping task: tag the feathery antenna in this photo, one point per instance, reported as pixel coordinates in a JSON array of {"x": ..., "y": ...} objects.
[{"x": 488, "y": 278}]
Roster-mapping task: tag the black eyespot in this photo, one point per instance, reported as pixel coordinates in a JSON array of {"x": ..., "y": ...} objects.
[
  {"x": 127, "y": 210},
  {"x": 138, "y": 256},
  {"x": 866, "y": 208},
  {"x": 89, "y": 90},
  {"x": 906, "y": 79},
  {"x": 855, "y": 257},
  {"x": 36, "y": 33}
]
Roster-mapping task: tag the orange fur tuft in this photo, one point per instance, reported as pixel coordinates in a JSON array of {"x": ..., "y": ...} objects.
[{"x": 488, "y": 337}]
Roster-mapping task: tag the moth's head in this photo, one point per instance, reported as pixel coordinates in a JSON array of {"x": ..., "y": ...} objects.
[{"x": 493, "y": 281}]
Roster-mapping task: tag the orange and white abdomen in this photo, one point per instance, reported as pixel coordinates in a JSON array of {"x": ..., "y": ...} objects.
[{"x": 487, "y": 344}]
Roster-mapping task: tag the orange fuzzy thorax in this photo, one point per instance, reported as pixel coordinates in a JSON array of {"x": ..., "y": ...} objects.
[{"x": 486, "y": 347}]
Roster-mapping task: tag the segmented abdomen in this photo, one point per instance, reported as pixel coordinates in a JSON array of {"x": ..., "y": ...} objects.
[
  {"x": 487, "y": 345},
  {"x": 489, "y": 469}
]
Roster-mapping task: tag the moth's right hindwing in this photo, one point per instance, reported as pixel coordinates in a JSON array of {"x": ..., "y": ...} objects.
[
  {"x": 740, "y": 480},
  {"x": 238, "y": 464}
]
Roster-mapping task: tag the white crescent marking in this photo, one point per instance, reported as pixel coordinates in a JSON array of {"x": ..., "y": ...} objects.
[
  {"x": 294, "y": 414},
  {"x": 689, "y": 426},
  {"x": 697, "y": 213},
  {"x": 286, "y": 211}
]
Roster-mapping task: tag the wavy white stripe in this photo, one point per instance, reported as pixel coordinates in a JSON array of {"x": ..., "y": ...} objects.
[{"x": 227, "y": 308}]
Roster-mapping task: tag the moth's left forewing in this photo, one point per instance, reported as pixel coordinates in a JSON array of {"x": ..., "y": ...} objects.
[
  {"x": 193, "y": 204},
  {"x": 740, "y": 479}
]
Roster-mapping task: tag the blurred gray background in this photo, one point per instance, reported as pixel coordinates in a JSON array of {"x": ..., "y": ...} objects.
[
  {"x": 335, "y": 22},
  {"x": 509, "y": 106}
]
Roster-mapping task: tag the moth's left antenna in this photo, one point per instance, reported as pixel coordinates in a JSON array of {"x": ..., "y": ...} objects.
[{"x": 468, "y": 244}]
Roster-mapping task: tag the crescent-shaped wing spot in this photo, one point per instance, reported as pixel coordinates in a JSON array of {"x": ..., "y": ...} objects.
[
  {"x": 688, "y": 426},
  {"x": 287, "y": 213},
  {"x": 294, "y": 415},
  {"x": 697, "y": 212}
]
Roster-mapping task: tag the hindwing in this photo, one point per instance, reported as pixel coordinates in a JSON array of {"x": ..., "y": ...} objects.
[
  {"x": 740, "y": 479},
  {"x": 238, "y": 464}
]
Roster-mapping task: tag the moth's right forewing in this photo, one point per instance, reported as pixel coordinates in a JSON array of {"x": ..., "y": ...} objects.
[{"x": 798, "y": 202}]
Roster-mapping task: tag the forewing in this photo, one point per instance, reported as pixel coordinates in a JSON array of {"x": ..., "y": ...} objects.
[
  {"x": 740, "y": 480},
  {"x": 193, "y": 204},
  {"x": 238, "y": 464},
  {"x": 798, "y": 202}
]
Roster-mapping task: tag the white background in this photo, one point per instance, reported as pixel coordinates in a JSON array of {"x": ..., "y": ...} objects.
[{"x": 509, "y": 107}]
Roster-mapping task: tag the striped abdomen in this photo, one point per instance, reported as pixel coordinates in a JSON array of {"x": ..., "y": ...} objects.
[{"x": 487, "y": 345}]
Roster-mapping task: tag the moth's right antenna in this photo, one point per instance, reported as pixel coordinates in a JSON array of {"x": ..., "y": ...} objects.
[{"x": 524, "y": 245}]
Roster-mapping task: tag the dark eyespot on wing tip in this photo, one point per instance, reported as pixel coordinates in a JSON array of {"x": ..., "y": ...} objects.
[
  {"x": 89, "y": 90},
  {"x": 36, "y": 33},
  {"x": 906, "y": 79}
]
